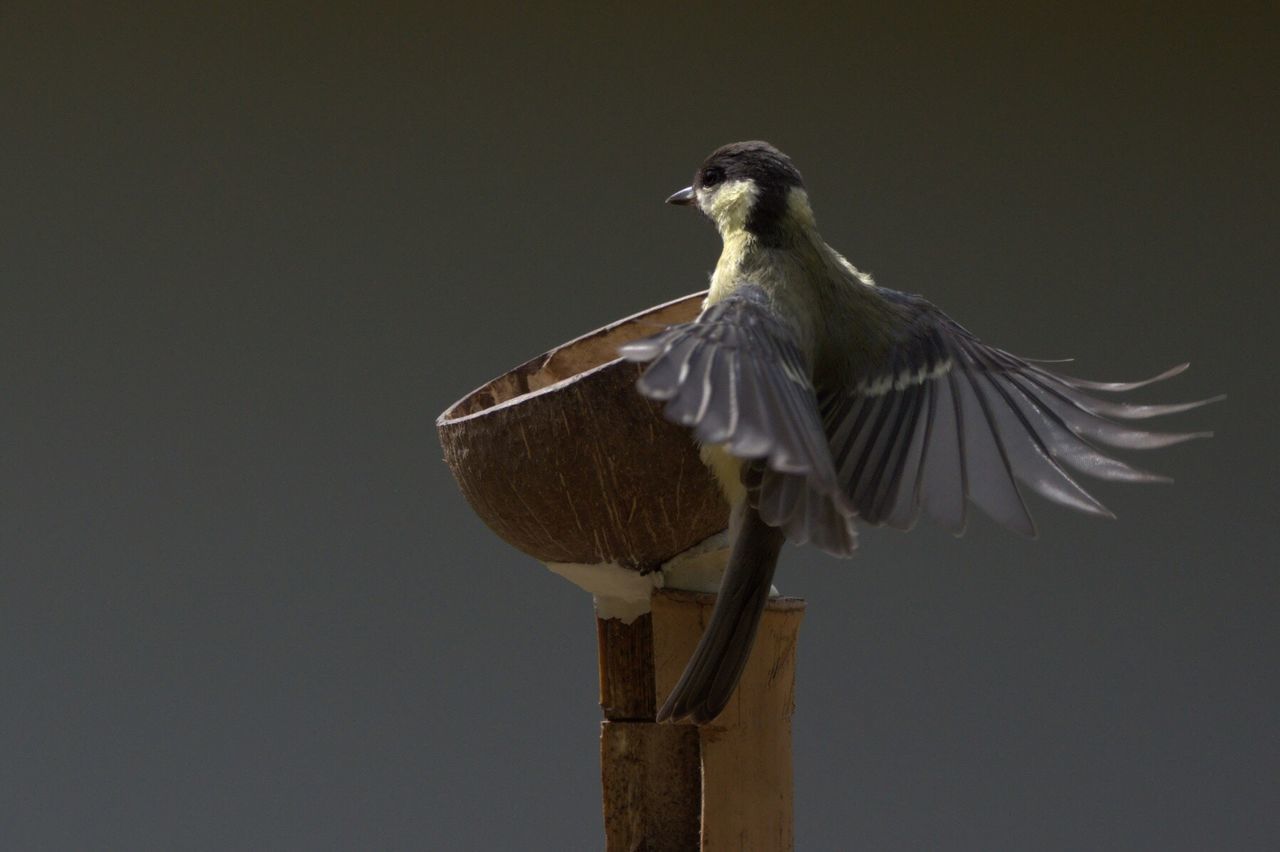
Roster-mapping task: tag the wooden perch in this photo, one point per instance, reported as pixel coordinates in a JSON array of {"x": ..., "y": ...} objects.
[{"x": 742, "y": 759}]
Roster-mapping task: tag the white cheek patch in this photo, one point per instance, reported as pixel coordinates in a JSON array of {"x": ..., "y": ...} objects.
[{"x": 729, "y": 204}]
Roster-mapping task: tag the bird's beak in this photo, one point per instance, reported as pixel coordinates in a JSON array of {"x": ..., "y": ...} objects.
[{"x": 684, "y": 197}]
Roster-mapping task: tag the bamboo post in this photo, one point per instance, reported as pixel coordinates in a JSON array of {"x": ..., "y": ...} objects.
[
  {"x": 726, "y": 785},
  {"x": 649, "y": 773}
]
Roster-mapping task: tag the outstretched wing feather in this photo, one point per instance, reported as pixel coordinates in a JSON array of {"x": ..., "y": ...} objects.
[
  {"x": 941, "y": 420},
  {"x": 737, "y": 377}
]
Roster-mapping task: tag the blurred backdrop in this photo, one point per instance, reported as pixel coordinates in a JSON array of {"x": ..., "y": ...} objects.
[{"x": 248, "y": 252}]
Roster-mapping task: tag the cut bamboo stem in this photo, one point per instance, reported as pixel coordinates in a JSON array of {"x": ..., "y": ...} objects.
[{"x": 726, "y": 785}]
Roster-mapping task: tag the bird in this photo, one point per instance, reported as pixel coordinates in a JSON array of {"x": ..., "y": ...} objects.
[{"x": 821, "y": 400}]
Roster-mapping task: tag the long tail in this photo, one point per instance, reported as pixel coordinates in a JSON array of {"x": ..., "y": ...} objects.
[{"x": 713, "y": 671}]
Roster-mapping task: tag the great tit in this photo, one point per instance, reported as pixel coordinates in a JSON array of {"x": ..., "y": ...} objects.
[{"x": 819, "y": 398}]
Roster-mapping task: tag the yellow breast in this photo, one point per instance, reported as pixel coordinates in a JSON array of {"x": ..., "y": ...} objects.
[{"x": 727, "y": 470}]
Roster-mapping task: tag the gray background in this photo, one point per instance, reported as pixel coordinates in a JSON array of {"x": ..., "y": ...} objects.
[{"x": 248, "y": 255}]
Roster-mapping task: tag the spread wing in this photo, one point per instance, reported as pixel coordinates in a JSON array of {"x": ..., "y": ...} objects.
[
  {"x": 942, "y": 419},
  {"x": 737, "y": 377}
]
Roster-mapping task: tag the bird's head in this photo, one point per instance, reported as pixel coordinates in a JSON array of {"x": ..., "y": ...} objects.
[{"x": 749, "y": 187}]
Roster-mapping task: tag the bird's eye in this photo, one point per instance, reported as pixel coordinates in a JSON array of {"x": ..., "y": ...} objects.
[{"x": 711, "y": 177}]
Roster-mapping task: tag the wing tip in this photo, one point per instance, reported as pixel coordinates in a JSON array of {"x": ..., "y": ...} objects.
[{"x": 649, "y": 390}]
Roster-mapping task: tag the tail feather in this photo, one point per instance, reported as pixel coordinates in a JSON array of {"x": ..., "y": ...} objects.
[{"x": 712, "y": 674}]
